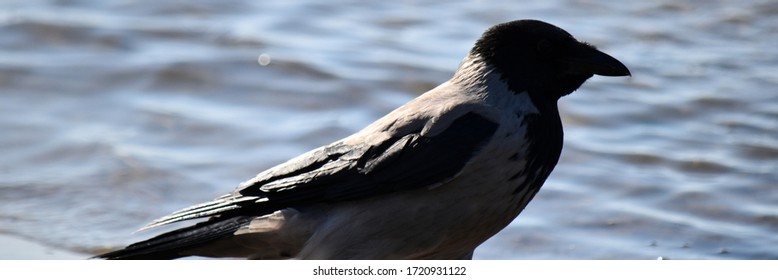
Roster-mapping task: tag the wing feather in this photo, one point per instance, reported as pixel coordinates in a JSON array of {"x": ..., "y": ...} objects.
[{"x": 341, "y": 171}]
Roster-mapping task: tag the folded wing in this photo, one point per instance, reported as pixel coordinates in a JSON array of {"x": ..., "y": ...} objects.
[
  {"x": 339, "y": 171},
  {"x": 336, "y": 172}
]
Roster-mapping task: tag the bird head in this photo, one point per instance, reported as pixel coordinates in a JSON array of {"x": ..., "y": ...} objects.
[{"x": 543, "y": 59}]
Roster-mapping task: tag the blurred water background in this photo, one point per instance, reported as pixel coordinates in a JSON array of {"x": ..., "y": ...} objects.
[{"x": 113, "y": 113}]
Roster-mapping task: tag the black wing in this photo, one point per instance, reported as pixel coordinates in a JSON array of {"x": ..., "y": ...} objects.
[
  {"x": 343, "y": 172},
  {"x": 336, "y": 172},
  {"x": 339, "y": 171}
]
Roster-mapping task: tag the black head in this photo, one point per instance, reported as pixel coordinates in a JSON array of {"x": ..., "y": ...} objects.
[{"x": 543, "y": 59}]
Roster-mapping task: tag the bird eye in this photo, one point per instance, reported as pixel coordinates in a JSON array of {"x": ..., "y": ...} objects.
[{"x": 543, "y": 46}]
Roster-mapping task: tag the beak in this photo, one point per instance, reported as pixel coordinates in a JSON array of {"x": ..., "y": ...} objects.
[{"x": 588, "y": 60}]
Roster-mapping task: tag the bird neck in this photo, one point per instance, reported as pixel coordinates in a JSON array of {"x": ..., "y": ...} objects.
[
  {"x": 489, "y": 84},
  {"x": 483, "y": 81},
  {"x": 540, "y": 112},
  {"x": 473, "y": 72}
]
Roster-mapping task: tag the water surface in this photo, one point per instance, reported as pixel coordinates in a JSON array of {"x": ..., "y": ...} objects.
[{"x": 113, "y": 114}]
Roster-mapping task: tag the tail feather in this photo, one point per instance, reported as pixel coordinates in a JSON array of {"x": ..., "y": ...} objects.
[
  {"x": 170, "y": 245},
  {"x": 222, "y": 204}
]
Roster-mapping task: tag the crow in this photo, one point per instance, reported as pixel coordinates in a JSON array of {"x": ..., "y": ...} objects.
[{"x": 432, "y": 179}]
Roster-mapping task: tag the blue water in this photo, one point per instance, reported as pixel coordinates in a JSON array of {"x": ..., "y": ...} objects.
[{"x": 113, "y": 114}]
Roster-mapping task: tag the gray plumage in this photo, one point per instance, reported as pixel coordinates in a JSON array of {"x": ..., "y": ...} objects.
[{"x": 433, "y": 179}]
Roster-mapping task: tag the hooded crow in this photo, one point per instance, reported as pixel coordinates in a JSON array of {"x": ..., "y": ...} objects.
[{"x": 433, "y": 179}]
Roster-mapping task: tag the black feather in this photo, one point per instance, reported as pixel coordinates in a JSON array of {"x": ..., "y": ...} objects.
[
  {"x": 336, "y": 173},
  {"x": 170, "y": 245},
  {"x": 400, "y": 163}
]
